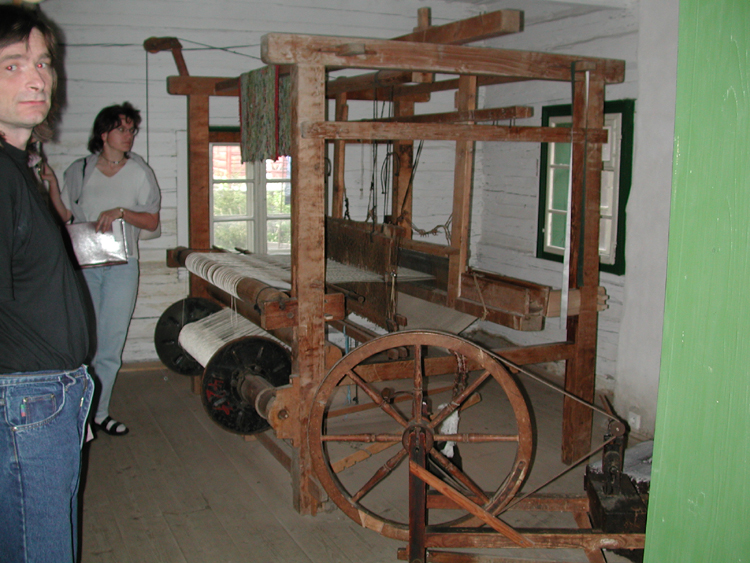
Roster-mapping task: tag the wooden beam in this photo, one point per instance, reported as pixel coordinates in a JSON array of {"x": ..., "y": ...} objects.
[
  {"x": 372, "y": 131},
  {"x": 285, "y": 48},
  {"x": 308, "y": 266},
  {"x": 199, "y": 86},
  {"x": 484, "y": 26},
  {"x": 403, "y": 169},
  {"x": 415, "y": 90},
  {"x": 339, "y": 162},
  {"x": 198, "y": 186},
  {"x": 466, "y": 101},
  {"x": 158, "y": 44},
  {"x": 514, "y": 320},
  {"x": 478, "y": 115},
  {"x": 580, "y": 371},
  {"x": 504, "y": 293},
  {"x": 478, "y": 28}
]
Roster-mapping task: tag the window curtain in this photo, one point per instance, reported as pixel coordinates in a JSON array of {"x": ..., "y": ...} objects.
[{"x": 265, "y": 106}]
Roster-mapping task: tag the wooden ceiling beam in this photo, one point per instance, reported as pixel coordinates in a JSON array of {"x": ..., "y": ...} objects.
[{"x": 285, "y": 48}]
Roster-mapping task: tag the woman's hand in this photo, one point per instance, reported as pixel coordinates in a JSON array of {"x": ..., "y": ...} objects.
[
  {"x": 48, "y": 175},
  {"x": 107, "y": 217}
]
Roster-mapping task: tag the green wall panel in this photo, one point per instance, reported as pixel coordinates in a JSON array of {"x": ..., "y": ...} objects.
[{"x": 699, "y": 508}]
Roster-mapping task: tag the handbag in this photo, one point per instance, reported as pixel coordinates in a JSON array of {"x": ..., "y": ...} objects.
[{"x": 98, "y": 249}]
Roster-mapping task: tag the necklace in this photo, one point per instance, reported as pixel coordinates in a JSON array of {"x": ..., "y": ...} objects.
[{"x": 113, "y": 162}]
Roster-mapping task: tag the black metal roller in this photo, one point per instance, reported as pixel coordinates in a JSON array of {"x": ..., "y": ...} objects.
[
  {"x": 225, "y": 372},
  {"x": 168, "y": 330}
]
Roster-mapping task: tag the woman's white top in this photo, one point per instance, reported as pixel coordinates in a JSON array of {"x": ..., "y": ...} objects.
[{"x": 133, "y": 187}]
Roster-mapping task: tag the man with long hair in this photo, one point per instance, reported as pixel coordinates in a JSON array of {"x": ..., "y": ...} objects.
[{"x": 45, "y": 390}]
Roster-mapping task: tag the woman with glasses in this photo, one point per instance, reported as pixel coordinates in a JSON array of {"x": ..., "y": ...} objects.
[{"x": 111, "y": 183}]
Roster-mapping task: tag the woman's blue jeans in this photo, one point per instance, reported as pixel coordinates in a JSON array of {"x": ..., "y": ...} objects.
[
  {"x": 42, "y": 429},
  {"x": 113, "y": 290}
]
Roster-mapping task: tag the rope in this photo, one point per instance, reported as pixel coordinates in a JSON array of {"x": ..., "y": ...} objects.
[{"x": 481, "y": 297}]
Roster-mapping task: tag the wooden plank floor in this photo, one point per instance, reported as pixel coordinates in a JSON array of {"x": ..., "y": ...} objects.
[{"x": 180, "y": 489}]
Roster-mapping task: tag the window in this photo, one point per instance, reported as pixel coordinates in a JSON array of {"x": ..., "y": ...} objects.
[
  {"x": 617, "y": 156},
  {"x": 250, "y": 202}
]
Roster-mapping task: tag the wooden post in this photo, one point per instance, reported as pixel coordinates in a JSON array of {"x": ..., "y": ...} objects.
[
  {"x": 339, "y": 162},
  {"x": 464, "y": 169},
  {"x": 199, "y": 198},
  {"x": 308, "y": 265},
  {"x": 580, "y": 370},
  {"x": 401, "y": 204}
]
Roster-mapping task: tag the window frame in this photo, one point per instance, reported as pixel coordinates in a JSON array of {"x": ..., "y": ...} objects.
[
  {"x": 257, "y": 215},
  {"x": 626, "y": 109}
]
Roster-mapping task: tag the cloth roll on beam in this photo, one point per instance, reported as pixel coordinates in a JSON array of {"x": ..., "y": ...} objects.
[{"x": 203, "y": 338}]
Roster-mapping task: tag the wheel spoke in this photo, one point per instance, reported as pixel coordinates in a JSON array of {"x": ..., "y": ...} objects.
[
  {"x": 418, "y": 385},
  {"x": 361, "y": 438},
  {"x": 385, "y": 470},
  {"x": 456, "y": 401},
  {"x": 459, "y": 475},
  {"x": 377, "y": 399},
  {"x": 476, "y": 438}
]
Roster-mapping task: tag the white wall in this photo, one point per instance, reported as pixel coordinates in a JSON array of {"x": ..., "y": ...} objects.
[
  {"x": 644, "y": 35},
  {"x": 105, "y": 63},
  {"x": 648, "y": 214}
]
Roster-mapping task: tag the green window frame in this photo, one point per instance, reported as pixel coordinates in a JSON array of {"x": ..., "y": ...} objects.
[{"x": 554, "y": 179}]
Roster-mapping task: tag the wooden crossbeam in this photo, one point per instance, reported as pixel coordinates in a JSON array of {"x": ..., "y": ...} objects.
[
  {"x": 348, "y": 130},
  {"x": 488, "y": 114},
  {"x": 286, "y": 48},
  {"x": 483, "y": 26},
  {"x": 415, "y": 91},
  {"x": 200, "y": 86}
]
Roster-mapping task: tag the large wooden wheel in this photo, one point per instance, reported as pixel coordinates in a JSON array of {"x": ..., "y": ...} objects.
[{"x": 362, "y": 452}]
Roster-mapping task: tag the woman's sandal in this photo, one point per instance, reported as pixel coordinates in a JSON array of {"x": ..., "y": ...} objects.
[{"x": 112, "y": 427}]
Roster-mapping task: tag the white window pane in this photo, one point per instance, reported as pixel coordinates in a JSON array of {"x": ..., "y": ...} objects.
[
  {"x": 231, "y": 199},
  {"x": 279, "y": 198},
  {"x": 279, "y": 169},
  {"x": 279, "y": 236},
  {"x": 234, "y": 234},
  {"x": 607, "y": 147},
  {"x": 608, "y": 191},
  {"x": 605, "y": 236},
  {"x": 556, "y": 231},
  {"x": 560, "y": 183}
]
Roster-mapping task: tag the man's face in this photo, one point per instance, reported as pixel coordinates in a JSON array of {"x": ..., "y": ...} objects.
[{"x": 26, "y": 83}]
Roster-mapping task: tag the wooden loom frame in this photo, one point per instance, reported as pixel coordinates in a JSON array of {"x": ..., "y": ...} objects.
[{"x": 399, "y": 62}]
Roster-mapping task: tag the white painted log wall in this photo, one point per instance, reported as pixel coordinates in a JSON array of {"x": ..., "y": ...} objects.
[
  {"x": 105, "y": 63},
  {"x": 644, "y": 34},
  {"x": 509, "y": 222}
]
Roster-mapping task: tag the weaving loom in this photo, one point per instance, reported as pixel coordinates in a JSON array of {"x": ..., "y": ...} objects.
[{"x": 251, "y": 381}]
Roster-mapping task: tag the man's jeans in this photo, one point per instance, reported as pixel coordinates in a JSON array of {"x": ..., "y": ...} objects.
[{"x": 42, "y": 429}]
